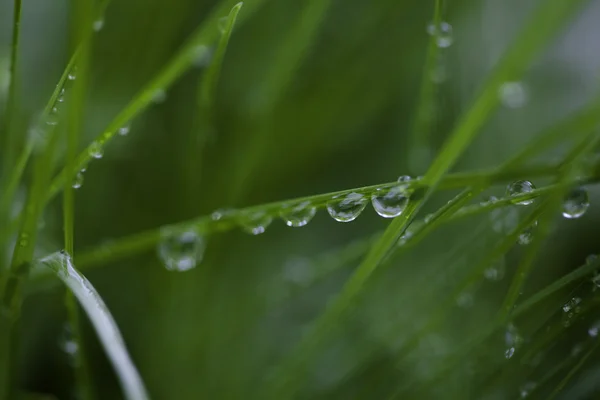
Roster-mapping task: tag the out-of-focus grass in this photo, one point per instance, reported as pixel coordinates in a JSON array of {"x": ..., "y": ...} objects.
[{"x": 312, "y": 97}]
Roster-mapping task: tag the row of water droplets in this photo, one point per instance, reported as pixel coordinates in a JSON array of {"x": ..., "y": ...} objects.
[
  {"x": 181, "y": 251},
  {"x": 575, "y": 205}
]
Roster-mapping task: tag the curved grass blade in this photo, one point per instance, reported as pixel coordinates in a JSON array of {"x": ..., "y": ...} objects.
[
  {"x": 171, "y": 72},
  {"x": 103, "y": 322}
]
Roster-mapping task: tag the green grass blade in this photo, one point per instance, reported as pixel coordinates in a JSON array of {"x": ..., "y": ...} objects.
[
  {"x": 103, "y": 322},
  {"x": 171, "y": 72},
  {"x": 420, "y": 139},
  {"x": 546, "y": 21},
  {"x": 574, "y": 370}
]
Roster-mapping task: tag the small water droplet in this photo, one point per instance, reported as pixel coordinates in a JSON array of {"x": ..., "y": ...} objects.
[
  {"x": 159, "y": 96},
  {"x": 526, "y": 389},
  {"x": 77, "y": 181},
  {"x": 124, "y": 130},
  {"x": 442, "y": 33},
  {"x": 221, "y": 213},
  {"x": 346, "y": 208},
  {"x": 23, "y": 239},
  {"x": 508, "y": 353},
  {"x": 495, "y": 272},
  {"x": 181, "y": 252},
  {"x": 594, "y": 329},
  {"x": 512, "y": 94},
  {"x": 95, "y": 150},
  {"x": 576, "y": 203},
  {"x": 98, "y": 24},
  {"x": 66, "y": 341},
  {"x": 570, "y": 311},
  {"x": 52, "y": 118},
  {"x": 61, "y": 96},
  {"x": 72, "y": 74},
  {"x": 298, "y": 215},
  {"x": 389, "y": 203},
  {"x": 256, "y": 223},
  {"x": 520, "y": 187},
  {"x": 404, "y": 179},
  {"x": 526, "y": 236}
]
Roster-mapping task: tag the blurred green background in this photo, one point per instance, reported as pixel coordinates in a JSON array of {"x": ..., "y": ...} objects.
[{"x": 340, "y": 118}]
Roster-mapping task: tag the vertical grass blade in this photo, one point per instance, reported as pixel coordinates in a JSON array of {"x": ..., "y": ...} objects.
[{"x": 103, "y": 322}]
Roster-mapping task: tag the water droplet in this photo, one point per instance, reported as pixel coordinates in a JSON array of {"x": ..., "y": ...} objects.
[
  {"x": 52, "y": 118},
  {"x": 95, "y": 150},
  {"x": 520, "y": 187},
  {"x": 346, "y": 208},
  {"x": 72, "y": 74},
  {"x": 77, "y": 181},
  {"x": 512, "y": 94},
  {"x": 594, "y": 329},
  {"x": 61, "y": 96},
  {"x": 23, "y": 239},
  {"x": 504, "y": 220},
  {"x": 570, "y": 311},
  {"x": 66, "y": 341},
  {"x": 495, "y": 272},
  {"x": 404, "y": 178},
  {"x": 298, "y": 215},
  {"x": 202, "y": 55},
  {"x": 390, "y": 203},
  {"x": 257, "y": 223},
  {"x": 221, "y": 213},
  {"x": 526, "y": 389},
  {"x": 576, "y": 203},
  {"x": 159, "y": 96},
  {"x": 181, "y": 252},
  {"x": 526, "y": 236},
  {"x": 124, "y": 130},
  {"x": 443, "y": 33},
  {"x": 98, "y": 24},
  {"x": 509, "y": 353},
  {"x": 512, "y": 336}
]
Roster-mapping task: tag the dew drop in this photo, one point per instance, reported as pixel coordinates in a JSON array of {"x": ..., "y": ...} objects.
[
  {"x": 346, "y": 208},
  {"x": 520, "y": 187},
  {"x": 509, "y": 353},
  {"x": 495, "y": 272},
  {"x": 61, "y": 96},
  {"x": 404, "y": 178},
  {"x": 298, "y": 215},
  {"x": 390, "y": 203},
  {"x": 181, "y": 252},
  {"x": 95, "y": 150},
  {"x": 257, "y": 223},
  {"x": 221, "y": 213},
  {"x": 52, "y": 118},
  {"x": 72, "y": 74},
  {"x": 77, "y": 181},
  {"x": 442, "y": 33},
  {"x": 570, "y": 311},
  {"x": 576, "y": 203},
  {"x": 526, "y": 236},
  {"x": 98, "y": 24},
  {"x": 512, "y": 94},
  {"x": 202, "y": 56},
  {"x": 594, "y": 329},
  {"x": 124, "y": 130},
  {"x": 223, "y": 24},
  {"x": 23, "y": 239},
  {"x": 66, "y": 342},
  {"x": 526, "y": 389}
]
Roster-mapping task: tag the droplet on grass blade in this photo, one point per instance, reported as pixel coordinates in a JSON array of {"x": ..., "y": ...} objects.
[
  {"x": 124, "y": 130},
  {"x": 443, "y": 33},
  {"x": 298, "y": 215},
  {"x": 77, "y": 181},
  {"x": 98, "y": 24},
  {"x": 520, "y": 187},
  {"x": 256, "y": 223},
  {"x": 95, "y": 150},
  {"x": 346, "y": 208},
  {"x": 182, "y": 251},
  {"x": 576, "y": 203},
  {"x": 390, "y": 203},
  {"x": 526, "y": 236},
  {"x": 512, "y": 94}
]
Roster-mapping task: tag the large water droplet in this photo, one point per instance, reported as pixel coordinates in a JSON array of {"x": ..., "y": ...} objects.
[
  {"x": 77, "y": 181},
  {"x": 298, "y": 215},
  {"x": 443, "y": 33},
  {"x": 346, "y": 208},
  {"x": 256, "y": 223},
  {"x": 95, "y": 150},
  {"x": 181, "y": 252},
  {"x": 512, "y": 94},
  {"x": 520, "y": 187},
  {"x": 576, "y": 203},
  {"x": 390, "y": 203}
]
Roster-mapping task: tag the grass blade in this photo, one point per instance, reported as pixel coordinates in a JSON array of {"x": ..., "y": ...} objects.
[{"x": 103, "y": 322}]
